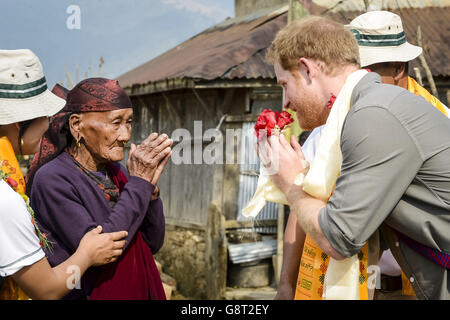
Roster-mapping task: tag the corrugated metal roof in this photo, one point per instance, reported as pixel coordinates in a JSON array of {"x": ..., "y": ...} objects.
[
  {"x": 235, "y": 48},
  {"x": 211, "y": 54},
  {"x": 358, "y": 5}
]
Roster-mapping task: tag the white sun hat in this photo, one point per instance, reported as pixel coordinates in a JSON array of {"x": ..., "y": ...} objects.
[
  {"x": 381, "y": 38},
  {"x": 23, "y": 88}
]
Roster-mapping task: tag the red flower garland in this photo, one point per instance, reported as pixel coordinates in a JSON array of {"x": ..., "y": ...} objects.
[{"x": 272, "y": 122}]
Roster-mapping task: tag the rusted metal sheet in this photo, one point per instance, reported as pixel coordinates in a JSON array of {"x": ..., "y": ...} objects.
[
  {"x": 235, "y": 49},
  {"x": 211, "y": 54},
  {"x": 248, "y": 180},
  {"x": 435, "y": 25},
  {"x": 359, "y": 5}
]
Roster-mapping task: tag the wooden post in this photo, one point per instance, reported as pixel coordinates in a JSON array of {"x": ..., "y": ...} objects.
[
  {"x": 290, "y": 11},
  {"x": 296, "y": 11},
  {"x": 216, "y": 254},
  {"x": 280, "y": 241},
  {"x": 216, "y": 241}
]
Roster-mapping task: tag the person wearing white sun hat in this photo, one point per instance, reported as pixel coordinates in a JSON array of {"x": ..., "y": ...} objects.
[
  {"x": 383, "y": 49},
  {"x": 381, "y": 38},
  {"x": 23, "y": 88},
  {"x": 25, "y": 105}
]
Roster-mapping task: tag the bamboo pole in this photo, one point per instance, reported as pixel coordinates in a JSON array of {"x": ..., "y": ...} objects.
[
  {"x": 76, "y": 74},
  {"x": 70, "y": 84},
  {"x": 425, "y": 64},
  {"x": 418, "y": 76}
]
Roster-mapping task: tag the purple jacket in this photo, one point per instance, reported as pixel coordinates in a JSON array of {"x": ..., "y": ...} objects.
[{"x": 67, "y": 204}]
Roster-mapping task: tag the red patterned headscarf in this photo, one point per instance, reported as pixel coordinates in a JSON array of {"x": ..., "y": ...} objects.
[{"x": 90, "y": 95}]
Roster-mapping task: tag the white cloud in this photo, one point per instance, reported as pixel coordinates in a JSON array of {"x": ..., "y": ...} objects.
[{"x": 210, "y": 11}]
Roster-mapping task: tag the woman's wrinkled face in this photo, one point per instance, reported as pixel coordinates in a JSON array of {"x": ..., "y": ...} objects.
[{"x": 105, "y": 133}]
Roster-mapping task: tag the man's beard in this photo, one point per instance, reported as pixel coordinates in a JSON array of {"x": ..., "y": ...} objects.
[{"x": 310, "y": 112}]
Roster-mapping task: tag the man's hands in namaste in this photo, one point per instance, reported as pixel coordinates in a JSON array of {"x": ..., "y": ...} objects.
[{"x": 283, "y": 160}]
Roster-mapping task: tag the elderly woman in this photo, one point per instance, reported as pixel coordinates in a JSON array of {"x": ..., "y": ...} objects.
[
  {"x": 84, "y": 185},
  {"x": 25, "y": 105}
]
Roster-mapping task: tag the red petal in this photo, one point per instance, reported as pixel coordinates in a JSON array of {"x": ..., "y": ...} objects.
[{"x": 11, "y": 182}]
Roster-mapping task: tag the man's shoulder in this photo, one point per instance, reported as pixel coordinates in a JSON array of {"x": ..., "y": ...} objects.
[
  {"x": 388, "y": 108},
  {"x": 379, "y": 95},
  {"x": 399, "y": 102}
]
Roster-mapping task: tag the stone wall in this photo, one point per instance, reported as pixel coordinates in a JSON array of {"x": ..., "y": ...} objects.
[{"x": 183, "y": 257}]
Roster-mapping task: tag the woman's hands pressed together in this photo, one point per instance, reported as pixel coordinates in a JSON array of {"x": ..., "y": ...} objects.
[{"x": 148, "y": 160}]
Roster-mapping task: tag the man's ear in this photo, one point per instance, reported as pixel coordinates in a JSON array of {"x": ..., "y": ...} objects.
[
  {"x": 75, "y": 125},
  {"x": 399, "y": 71},
  {"x": 308, "y": 68}
]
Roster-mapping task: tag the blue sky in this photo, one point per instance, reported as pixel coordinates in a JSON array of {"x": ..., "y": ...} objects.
[{"x": 126, "y": 33}]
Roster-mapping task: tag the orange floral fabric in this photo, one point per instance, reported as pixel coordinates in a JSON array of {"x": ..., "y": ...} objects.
[{"x": 10, "y": 290}]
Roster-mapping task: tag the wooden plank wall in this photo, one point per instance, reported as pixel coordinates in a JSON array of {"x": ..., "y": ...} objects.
[{"x": 186, "y": 189}]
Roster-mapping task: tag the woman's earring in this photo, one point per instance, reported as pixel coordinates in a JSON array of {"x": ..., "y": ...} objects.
[{"x": 21, "y": 142}]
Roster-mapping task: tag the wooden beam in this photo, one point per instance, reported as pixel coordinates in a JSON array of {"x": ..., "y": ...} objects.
[
  {"x": 172, "y": 110},
  {"x": 184, "y": 224},
  {"x": 235, "y": 224},
  {"x": 241, "y": 118},
  {"x": 187, "y": 83},
  {"x": 203, "y": 104},
  {"x": 226, "y": 84}
]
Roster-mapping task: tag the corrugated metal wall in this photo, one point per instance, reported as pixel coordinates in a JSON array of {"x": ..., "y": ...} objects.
[{"x": 248, "y": 180}]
